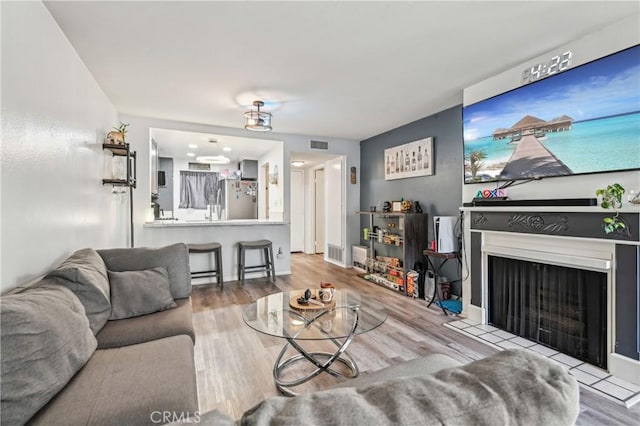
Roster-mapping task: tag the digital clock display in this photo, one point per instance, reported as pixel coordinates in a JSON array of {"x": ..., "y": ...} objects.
[{"x": 556, "y": 64}]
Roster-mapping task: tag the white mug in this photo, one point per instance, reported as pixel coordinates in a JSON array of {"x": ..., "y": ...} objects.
[{"x": 326, "y": 294}]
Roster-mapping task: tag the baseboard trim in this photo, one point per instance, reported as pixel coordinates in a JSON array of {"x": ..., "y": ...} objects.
[{"x": 342, "y": 265}]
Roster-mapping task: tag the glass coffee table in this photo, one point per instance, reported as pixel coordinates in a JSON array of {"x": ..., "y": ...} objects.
[{"x": 339, "y": 321}]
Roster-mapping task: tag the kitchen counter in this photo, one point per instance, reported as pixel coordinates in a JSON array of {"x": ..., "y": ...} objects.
[
  {"x": 192, "y": 223},
  {"x": 161, "y": 233}
]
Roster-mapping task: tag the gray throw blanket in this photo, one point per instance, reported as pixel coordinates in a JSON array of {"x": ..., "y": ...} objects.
[{"x": 515, "y": 387}]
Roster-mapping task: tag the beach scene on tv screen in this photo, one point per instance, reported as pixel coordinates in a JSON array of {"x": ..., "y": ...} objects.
[{"x": 583, "y": 120}]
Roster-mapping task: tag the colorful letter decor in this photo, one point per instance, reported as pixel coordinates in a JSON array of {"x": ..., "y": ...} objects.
[{"x": 491, "y": 193}]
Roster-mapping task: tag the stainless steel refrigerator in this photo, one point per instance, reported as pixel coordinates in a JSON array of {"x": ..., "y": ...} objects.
[{"x": 239, "y": 199}]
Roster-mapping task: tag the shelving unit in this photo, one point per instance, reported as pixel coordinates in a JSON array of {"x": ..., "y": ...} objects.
[
  {"x": 130, "y": 179},
  {"x": 131, "y": 173},
  {"x": 395, "y": 247}
]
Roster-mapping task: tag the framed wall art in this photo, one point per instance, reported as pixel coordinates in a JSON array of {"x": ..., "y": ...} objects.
[{"x": 409, "y": 160}]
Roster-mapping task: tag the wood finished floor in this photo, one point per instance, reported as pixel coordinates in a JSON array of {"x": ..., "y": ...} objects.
[{"x": 234, "y": 363}]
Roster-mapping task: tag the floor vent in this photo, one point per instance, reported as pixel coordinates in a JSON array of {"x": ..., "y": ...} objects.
[
  {"x": 335, "y": 253},
  {"x": 319, "y": 145}
]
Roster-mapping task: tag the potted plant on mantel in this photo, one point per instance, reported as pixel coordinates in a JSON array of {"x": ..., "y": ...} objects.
[{"x": 612, "y": 199}]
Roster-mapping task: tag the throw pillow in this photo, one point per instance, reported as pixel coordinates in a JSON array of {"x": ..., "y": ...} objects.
[
  {"x": 174, "y": 257},
  {"x": 135, "y": 293},
  {"x": 45, "y": 339},
  {"x": 85, "y": 274}
]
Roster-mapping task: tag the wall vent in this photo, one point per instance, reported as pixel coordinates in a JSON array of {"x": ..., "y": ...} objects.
[
  {"x": 335, "y": 253},
  {"x": 319, "y": 145}
]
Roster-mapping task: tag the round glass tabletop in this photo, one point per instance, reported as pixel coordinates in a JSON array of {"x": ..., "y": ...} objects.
[{"x": 279, "y": 315}]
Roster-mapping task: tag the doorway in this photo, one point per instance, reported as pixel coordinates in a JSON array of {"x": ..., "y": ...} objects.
[
  {"x": 319, "y": 211},
  {"x": 297, "y": 210}
]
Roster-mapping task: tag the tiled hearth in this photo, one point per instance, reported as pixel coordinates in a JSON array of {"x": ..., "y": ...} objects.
[{"x": 589, "y": 377}]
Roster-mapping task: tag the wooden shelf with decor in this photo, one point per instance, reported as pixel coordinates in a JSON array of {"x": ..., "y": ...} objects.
[
  {"x": 123, "y": 150},
  {"x": 130, "y": 175},
  {"x": 394, "y": 247}
]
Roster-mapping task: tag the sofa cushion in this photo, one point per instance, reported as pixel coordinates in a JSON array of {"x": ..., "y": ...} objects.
[
  {"x": 512, "y": 387},
  {"x": 174, "y": 257},
  {"x": 45, "y": 340},
  {"x": 135, "y": 293},
  {"x": 424, "y": 365},
  {"x": 85, "y": 274},
  {"x": 171, "y": 322},
  {"x": 132, "y": 385}
]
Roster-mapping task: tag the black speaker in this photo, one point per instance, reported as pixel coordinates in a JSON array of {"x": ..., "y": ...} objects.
[{"x": 161, "y": 178}]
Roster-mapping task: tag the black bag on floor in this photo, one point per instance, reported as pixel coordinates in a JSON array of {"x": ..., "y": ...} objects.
[{"x": 419, "y": 268}]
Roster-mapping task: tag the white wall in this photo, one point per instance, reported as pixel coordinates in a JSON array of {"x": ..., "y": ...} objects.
[
  {"x": 54, "y": 118},
  {"x": 608, "y": 40},
  {"x": 138, "y": 136}
]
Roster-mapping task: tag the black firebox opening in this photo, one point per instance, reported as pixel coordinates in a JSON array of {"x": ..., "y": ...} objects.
[{"x": 559, "y": 307}]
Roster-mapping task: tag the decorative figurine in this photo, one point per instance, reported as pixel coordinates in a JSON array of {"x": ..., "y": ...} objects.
[{"x": 418, "y": 207}]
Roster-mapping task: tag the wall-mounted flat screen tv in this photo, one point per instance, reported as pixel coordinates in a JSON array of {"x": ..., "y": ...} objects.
[{"x": 583, "y": 120}]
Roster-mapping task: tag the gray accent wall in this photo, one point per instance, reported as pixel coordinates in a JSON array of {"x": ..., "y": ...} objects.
[
  {"x": 627, "y": 339},
  {"x": 439, "y": 194}
]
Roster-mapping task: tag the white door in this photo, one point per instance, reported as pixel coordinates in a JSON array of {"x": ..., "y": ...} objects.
[
  {"x": 334, "y": 181},
  {"x": 319, "y": 209},
  {"x": 297, "y": 210}
]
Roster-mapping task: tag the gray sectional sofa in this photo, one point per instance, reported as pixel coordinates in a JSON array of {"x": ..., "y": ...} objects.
[{"x": 106, "y": 338}]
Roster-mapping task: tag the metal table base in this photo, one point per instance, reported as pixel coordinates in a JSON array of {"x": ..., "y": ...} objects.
[{"x": 322, "y": 360}]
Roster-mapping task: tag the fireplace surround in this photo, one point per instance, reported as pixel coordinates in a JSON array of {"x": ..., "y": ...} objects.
[{"x": 568, "y": 239}]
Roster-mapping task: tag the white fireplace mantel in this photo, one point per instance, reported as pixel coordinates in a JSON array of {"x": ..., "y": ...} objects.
[{"x": 548, "y": 234}]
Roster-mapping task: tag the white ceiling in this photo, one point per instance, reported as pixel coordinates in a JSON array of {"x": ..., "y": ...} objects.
[{"x": 335, "y": 69}]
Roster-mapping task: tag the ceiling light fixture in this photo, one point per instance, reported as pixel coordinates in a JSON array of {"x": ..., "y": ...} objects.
[
  {"x": 297, "y": 163},
  {"x": 193, "y": 146},
  {"x": 226, "y": 148},
  {"x": 258, "y": 121},
  {"x": 213, "y": 159}
]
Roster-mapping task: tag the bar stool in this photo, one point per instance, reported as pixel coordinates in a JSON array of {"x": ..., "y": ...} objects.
[
  {"x": 267, "y": 249},
  {"x": 214, "y": 248}
]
